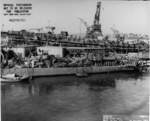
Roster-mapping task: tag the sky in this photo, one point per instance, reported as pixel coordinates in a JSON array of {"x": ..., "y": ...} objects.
[{"x": 125, "y": 16}]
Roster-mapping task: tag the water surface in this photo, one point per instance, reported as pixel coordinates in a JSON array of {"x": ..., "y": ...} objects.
[{"x": 69, "y": 98}]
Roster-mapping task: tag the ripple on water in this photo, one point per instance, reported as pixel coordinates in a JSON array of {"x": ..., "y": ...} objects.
[{"x": 76, "y": 99}]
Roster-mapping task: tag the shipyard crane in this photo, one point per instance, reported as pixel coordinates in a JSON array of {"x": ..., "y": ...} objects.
[
  {"x": 84, "y": 22},
  {"x": 88, "y": 28},
  {"x": 119, "y": 36},
  {"x": 95, "y": 31},
  {"x": 50, "y": 28},
  {"x": 115, "y": 31},
  {"x": 97, "y": 14}
]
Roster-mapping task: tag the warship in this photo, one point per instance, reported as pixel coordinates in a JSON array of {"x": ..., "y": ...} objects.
[{"x": 49, "y": 54}]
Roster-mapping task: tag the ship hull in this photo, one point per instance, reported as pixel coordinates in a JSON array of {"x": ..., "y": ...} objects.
[{"x": 38, "y": 72}]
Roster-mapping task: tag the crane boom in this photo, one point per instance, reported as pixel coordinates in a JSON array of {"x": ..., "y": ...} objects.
[
  {"x": 97, "y": 14},
  {"x": 84, "y": 22}
]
